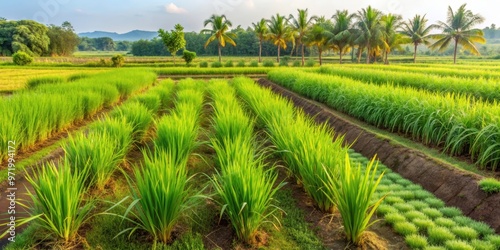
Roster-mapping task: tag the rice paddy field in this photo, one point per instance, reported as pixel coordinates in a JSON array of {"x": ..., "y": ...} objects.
[{"x": 210, "y": 158}]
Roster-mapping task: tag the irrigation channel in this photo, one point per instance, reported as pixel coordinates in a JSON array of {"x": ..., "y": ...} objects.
[{"x": 456, "y": 188}]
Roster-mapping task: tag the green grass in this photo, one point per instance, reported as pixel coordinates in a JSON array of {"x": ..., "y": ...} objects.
[
  {"x": 415, "y": 241},
  {"x": 439, "y": 235},
  {"x": 405, "y": 228},
  {"x": 490, "y": 185}
]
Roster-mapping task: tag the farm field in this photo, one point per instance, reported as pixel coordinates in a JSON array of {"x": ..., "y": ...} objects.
[{"x": 228, "y": 164}]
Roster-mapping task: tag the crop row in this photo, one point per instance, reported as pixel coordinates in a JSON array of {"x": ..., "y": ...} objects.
[
  {"x": 211, "y": 71},
  {"x": 448, "y": 121},
  {"x": 471, "y": 72},
  {"x": 480, "y": 89},
  {"x": 35, "y": 114},
  {"x": 244, "y": 186}
]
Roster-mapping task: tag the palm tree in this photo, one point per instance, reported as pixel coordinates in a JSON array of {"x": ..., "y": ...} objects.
[
  {"x": 316, "y": 37},
  {"x": 260, "y": 29},
  {"x": 279, "y": 32},
  {"x": 391, "y": 39},
  {"x": 300, "y": 26},
  {"x": 458, "y": 28},
  {"x": 340, "y": 36},
  {"x": 219, "y": 31},
  {"x": 418, "y": 31},
  {"x": 371, "y": 30}
]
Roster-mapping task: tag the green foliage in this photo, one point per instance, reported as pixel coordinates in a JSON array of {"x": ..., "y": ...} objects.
[
  {"x": 393, "y": 218},
  {"x": 423, "y": 224},
  {"x": 188, "y": 56},
  {"x": 204, "y": 64},
  {"x": 432, "y": 213},
  {"x": 32, "y": 83},
  {"x": 352, "y": 193},
  {"x": 118, "y": 60},
  {"x": 403, "y": 207},
  {"x": 416, "y": 241},
  {"x": 439, "y": 235},
  {"x": 229, "y": 64},
  {"x": 310, "y": 63},
  {"x": 23, "y": 36},
  {"x": 405, "y": 228},
  {"x": 296, "y": 64},
  {"x": 59, "y": 204},
  {"x": 458, "y": 245},
  {"x": 494, "y": 239},
  {"x": 173, "y": 40},
  {"x": 482, "y": 245},
  {"x": 22, "y": 58},
  {"x": 219, "y": 31},
  {"x": 137, "y": 115},
  {"x": 490, "y": 185},
  {"x": 268, "y": 63},
  {"x": 216, "y": 65},
  {"x": 414, "y": 214},
  {"x": 254, "y": 64},
  {"x": 465, "y": 233},
  {"x": 384, "y": 209},
  {"x": 63, "y": 40},
  {"x": 450, "y": 212},
  {"x": 161, "y": 194},
  {"x": 241, "y": 63},
  {"x": 445, "y": 222}
]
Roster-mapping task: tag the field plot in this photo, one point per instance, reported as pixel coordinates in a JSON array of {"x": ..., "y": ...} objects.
[
  {"x": 198, "y": 164},
  {"x": 13, "y": 78}
]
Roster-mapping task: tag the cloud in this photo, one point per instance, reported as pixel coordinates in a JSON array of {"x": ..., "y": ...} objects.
[
  {"x": 250, "y": 4},
  {"x": 172, "y": 8}
]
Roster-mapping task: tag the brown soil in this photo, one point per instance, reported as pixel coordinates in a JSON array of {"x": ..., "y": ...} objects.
[{"x": 455, "y": 187}]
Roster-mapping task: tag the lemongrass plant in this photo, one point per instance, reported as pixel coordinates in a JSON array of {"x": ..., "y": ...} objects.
[
  {"x": 59, "y": 204},
  {"x": 162, "y": 195},
  {"x": 352, "y": 191}
]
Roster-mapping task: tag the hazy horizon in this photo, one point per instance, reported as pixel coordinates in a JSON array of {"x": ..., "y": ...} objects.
[{"x": 127, "y": 15}]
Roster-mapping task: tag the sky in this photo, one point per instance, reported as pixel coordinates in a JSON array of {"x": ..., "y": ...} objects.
[{"x": 125, "y": 15}]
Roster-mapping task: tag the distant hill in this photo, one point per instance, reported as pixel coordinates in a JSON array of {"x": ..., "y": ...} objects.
[{"x": 134, "y": 35}]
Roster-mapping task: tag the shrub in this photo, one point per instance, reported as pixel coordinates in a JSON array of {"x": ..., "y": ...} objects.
[
  {"x": 268, "y": 63},
  {"x": 229, "y": 64},
  {"x": 254, "y": 64},
  {"x": 405, "y": 228},
  {"x": 22, "y": 58},
  {"x": 450, "y": 212},
  {"x": 203, "y": 64},
  {"x": 283, "y": 63},
  {"x": 310, "y": 63},
  {"x": 465, "y": 233},
  {"x": 216, "y": 65},
  {"x": 458, "y": 245},
  {"x": 490, "y": 185},
  {"x": 118, "y": 60},
  {"x": 188, "y": 56},
  {"x": 241, "y": 63},
  {"x": 416, "y": 241},
  {"x": 440, "y": 235}
]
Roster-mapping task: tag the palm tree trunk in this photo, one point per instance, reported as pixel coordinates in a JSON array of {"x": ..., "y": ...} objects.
[
  {"x": 359, "y": 54},
  {"x": 220, "y": 55},
  {"x": 367, "y": 53},
  {"x": 415, "y": 54},
  {"x": 386, "y": 58},
  {"x": 260, "y": 50},
  {"x": 340, "y": 54},
  {"x": 455, "y": 52},
  {"x": 320, "y": 51},
  {"x": 302, "y": 51},
  {"x": 279, "y": 49}
]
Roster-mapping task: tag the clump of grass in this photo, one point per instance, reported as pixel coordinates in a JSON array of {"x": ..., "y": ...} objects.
[
  {"x": 415, "y": 241},
  {"x": 445, "y": 222},
  {"x": 216, "y": 65},
  {"x": 418, "y": 205},
  {"x": 439, "y": 235},
  {"x": 137, "y": 116},
  {"x": 151, "y": 101},
  {"x": 59, "y": 204},
  {"x": 403, "y": 207},
  {"x": 423, "y": 224},
  {"x": 458, "y": 245},
  {"x": 395, "y": 177},
  {"x": 162, "y": 195},
  {"x": 494, "y": 239},
  {"x": 432, "y": 213},
  {"x": 482, "y": 245},
  {"x": 241, "y": 63},
  {"x": 229, "y": 64},
  {"x": 296, "y": 64},
  {"x": 405, "y": 228},
  {"x": 481, "y": 227},
  {"x": 310, "y": 63},
  {"x": 405, "y": 194},
  {"x": 393, "y": 218},
  {"x": 393, "y": 200},
  {"x": 35, "y": 82},
  {"x": 414, "y": 214},
  {"x": 450, "y": 212},
  {"x": 268, "y": 63},
  {"x": 414, "y": 187},
  {"x": 490, "y": 185},
  {"x": 423, "y": 194},
  {"x": 203, "y": 64},
  {"x": 384, "y": 209},
  {"x": 435, "y": 248},
  {"x": 465, "y": 233},
  {"x": 435, "y": 202},
  {"x": 254, "y": 64},
  {"x": 404, "y": 182}
]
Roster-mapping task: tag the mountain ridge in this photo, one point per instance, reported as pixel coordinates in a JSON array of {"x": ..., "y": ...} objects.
[{"x": 132, "y": 36}]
